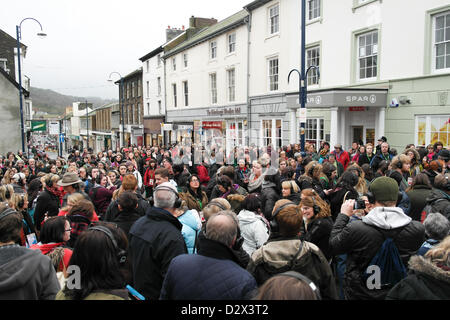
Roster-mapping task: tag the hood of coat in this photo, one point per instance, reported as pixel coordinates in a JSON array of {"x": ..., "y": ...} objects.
[
  {"x": 387, "y": 218},
  {"x": 191, "y": 218},
  {"x": 247, "y": 217},
  {"x": 437, "y": 194},
  {"x": 423, "y": 265},
  {"x": 15, "y": 270},
  {"x": 280, "y": 253},
  {"x": 415, "y": 152}
]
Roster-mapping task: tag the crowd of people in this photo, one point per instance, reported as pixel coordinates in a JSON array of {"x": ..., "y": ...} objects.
[{"x": 177, "y": 223}]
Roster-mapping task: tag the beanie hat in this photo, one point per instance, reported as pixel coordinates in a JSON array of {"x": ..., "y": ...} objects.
[{"x": 384, "y": 189}]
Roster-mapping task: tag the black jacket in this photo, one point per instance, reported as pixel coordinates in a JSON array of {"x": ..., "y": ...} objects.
[
  {"x": 113, "y": 209},
  {"x": 46, "y": 202},
  {"x": 125, "y": 219},
  {"x": 425, "y": 281},
  {"x": 155, "y": 239},
  {"x": 440, "y": 202},
  {"x": 418, "y": 200},
  {"x": 318, "y": 232},
  {"x": 336, "y": 198},
  {"x": 361, "y": 241},
  {"x": 269, "y": 196}
]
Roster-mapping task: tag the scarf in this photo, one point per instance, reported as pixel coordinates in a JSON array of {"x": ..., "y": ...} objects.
[{"x": 56, "y": 193}]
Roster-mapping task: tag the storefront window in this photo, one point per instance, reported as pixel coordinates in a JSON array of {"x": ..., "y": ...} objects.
[
  {"x": 431, "y": 129},
  {"x": 314, "y": 131},
  {"x": 272, "y": 132}
]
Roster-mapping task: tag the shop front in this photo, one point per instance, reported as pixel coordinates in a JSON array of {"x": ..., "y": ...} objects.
[
  {"x": 343, "y": 115},
  {"x": 152, "y": 131}
]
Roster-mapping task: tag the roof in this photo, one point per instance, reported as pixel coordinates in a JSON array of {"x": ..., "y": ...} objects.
[
  {"x": 151, "y": 54},
  {"x": 130, "y": 75},
  {"x": 25, "y": 92},
  {"x": 256, "y": 4},
  {"x": 210, "y": 32}
]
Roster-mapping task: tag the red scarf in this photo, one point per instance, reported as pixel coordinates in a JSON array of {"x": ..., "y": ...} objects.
[{"x": 57, "y": 193}]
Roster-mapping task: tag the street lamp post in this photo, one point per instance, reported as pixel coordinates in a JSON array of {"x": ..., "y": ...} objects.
[
  {"x": 18, "y": 37},
  {"x": 303, "y": 74},
  {"x": 121, "y": 103}
]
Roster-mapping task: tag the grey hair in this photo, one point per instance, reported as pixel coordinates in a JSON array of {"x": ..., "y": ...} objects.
[
  {"x": 221, "y": 231},
  {"x": 437, "y": 226},
  {"x": 164, "y": 199}
]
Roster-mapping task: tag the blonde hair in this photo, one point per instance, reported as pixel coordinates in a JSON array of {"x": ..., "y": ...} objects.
[
  {"x": 7, "y": 177},
  {"x": 400, "y": 158},
  {"x": 288, "y": 184},
  {"x": 3, "y": 190},
  {"x": 310, "y": 201},
  {"x": 74, "y": 198},
  {"x": 212, "y": 207},
  {"x": 440, "y": 254},
  {"x": 17, "y": 197}
]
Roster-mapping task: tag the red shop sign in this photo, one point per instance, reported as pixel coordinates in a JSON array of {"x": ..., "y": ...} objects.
[
  {"x": 212, "y": 125},
  {"x": 357, "y": 108}
]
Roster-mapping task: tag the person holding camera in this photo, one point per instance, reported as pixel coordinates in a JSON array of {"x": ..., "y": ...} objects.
[{"x": 361, "y": 240}]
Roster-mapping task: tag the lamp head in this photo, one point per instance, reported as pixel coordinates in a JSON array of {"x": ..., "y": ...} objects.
[{"x": 41, "y": 35}]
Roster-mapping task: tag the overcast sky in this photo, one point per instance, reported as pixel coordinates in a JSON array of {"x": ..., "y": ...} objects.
[{"x": 88, "y": 39}]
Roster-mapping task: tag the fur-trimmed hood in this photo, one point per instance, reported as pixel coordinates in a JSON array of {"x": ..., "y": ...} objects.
[
  {"x": 416, "y": 154},
  {"x": 422, "y": 265}
]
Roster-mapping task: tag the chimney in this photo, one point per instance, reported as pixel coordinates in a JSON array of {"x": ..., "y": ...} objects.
[
  {"x": 195, "y": 22},
  {"x": 172, "y": 33}
]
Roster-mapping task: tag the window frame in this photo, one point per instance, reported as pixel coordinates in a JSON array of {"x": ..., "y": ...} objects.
[
  {"x": 185, "y": 87},
  {"x": 213, "y": 88},
  {"x": 174, "y": 64},
  {"x": 174, "y": 95},
  {"x": 270, "y": 19},
  {"x": 231, "y": 87},
  {"x": 213, "y": 50},
  {"x": 272, "y": 85},
  {"x": 427, "y": 132},
  {"x": 313, "y": 72},
  {"x": 317, "y": 9},
  {"x": 231, "y": 42},
  {"x": 366, "y": 57},
  {"x": 315, "y": 133},
  {"x": 275, "y": 140},
  {"x": 185, "y": 60},
  {"x": 446, "y": 43}
]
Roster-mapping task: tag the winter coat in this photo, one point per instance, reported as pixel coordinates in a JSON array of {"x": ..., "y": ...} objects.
[
  {"x": 254, "y": 185},
  {"x": 192, "y": 202},
  {"x": 202, "y": 173},
  {"x": 46, "y": 202},
  {"x": 418, "y": 200},
  {"x": 26, "y": 274},
  {"x": 48, "y": 248},
  {"x": 155, "y": 239},
  {"x": 425, "y": 281},
  {"x": 101, "y": 198},
  {"x": 125, "y": 219},
  {"x": 440, "y": 202},
  {"x": 269, "y": 195},
  {"x": 149, "y": 177},
  {"x": 212, "y": 274},
  {"x": 365, "y": 158},
  {"x": 405, "y": 203},
  {"x": 254, "y": 230},
  {"x": 285, "y": 254},
  {"x": 241, "y": 175},
  {"x": 113, "y": 208},
  {"x": 361, "y": 239},
  {"x": 375, "y": 162},
  {"x": 343, "y": 158},
  {"x": 306, "y": 182},
  {"x": 294, "y": 197},
  {"x": 192, "y": 225},
  {"x": 336, "y": 198},
  {"x": 318, "y": 232}
]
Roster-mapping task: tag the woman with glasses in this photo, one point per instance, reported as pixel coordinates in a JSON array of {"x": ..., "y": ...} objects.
[
  {"x": 194, "y": 196},
  {"x": 55, "y": 232}
]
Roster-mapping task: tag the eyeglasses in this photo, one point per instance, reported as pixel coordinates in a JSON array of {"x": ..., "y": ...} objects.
[{"x": 70, "y": 229}]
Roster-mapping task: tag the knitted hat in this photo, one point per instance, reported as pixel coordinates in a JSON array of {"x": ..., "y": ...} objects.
[{"x": 384, "y": 189}]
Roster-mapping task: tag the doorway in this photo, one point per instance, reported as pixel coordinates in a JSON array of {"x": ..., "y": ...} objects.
[{"x": 358, "y": 134}]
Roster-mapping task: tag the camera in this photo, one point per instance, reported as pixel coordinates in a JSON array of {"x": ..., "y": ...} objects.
[{"x": 359, "y": 204}]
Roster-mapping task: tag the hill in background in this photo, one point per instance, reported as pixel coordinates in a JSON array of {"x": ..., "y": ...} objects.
[{"x": 46, "y": 100}]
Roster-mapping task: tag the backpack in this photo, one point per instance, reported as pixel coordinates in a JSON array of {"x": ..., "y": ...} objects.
[
  {"x": 390, "y": 264},
  {"x": 427, "y": 209}
]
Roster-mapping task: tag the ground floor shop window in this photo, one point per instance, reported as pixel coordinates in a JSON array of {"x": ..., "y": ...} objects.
[
  {"x": 314, "y": 131},
  {"x": 272, "y": 132},
  {"x": 431, "y": 129}
]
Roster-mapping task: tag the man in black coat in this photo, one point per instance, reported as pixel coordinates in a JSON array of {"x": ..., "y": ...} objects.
[
  {"x": 361, "y": 239},
  {"x": 155, "y": 239}
]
